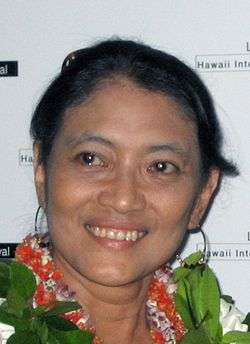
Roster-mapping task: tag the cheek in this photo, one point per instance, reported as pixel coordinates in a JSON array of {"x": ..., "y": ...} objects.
[
  {"x": 174, "y": 203},
  {"x": 68, "y": 200},
  {"x": 66, "y": 191},
  {"x": 172, "y": 208}
]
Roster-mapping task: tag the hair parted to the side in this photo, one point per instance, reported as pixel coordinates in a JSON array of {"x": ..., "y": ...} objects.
[{"x": 149, "y": 68}]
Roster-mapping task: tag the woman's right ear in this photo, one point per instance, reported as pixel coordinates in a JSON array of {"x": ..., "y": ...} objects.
[{"x": 39, "y": 174}]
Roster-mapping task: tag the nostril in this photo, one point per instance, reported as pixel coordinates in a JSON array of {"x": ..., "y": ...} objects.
[{"x": 122, "y": 197}]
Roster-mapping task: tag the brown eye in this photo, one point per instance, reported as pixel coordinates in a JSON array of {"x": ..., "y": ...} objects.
[
  {"x": 91, "y": 159},
  {"x": 164, "y": 167}
]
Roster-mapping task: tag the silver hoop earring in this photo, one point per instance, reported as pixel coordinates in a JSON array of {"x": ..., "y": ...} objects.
[
  {"x": 43, "y": 239},
  {"x": 204, "y": 256},
  {"x": 37, "y": 230},
  {"x": 40, "y": 221}
]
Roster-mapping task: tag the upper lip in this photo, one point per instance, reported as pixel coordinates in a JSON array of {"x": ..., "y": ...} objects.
[{"x": 121, "y": 225}]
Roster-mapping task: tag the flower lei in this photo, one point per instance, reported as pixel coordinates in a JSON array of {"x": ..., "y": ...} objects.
[{"x": 166, "y": 324}]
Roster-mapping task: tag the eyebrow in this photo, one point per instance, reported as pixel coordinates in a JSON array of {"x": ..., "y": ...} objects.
[
  {"x": 88, "y": 137},
  {"x": 173, "y": 147},
  {"x": 93, "y": 137}
]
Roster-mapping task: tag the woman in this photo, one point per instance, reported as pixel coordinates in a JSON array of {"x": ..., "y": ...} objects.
[{"x": 127, "y": 158}]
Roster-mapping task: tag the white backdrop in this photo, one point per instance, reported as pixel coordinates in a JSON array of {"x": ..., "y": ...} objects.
[{"x": 211, "y": 36}]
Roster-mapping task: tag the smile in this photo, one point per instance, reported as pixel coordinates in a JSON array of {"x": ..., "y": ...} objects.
[{"x": 115, "y": 234}]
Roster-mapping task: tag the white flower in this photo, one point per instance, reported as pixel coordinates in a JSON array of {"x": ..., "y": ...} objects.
[
  {"x": 5, "y": 330},
  {"x": 231, "y": 318}
]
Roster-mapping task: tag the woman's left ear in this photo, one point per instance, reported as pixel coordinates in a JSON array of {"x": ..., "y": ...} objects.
[
  {"x": 204, "y": 198},
  {"x": 39, "y": 175}
]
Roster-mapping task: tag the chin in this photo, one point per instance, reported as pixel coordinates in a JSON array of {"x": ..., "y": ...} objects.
[{"x": 111, "y": 276}]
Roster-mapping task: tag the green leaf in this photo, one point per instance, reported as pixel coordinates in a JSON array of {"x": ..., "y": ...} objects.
[
  {"x": 184, "y": 311},
  {"x": 247, "y": 321},
  {"x": 198, "y": 336},
  {"x": 52, "y": 339},
  {"x": 210, "y": 301},
  {"x": 26, "y": 337},
  {"x": 38, "y": 311},
  {"x": 58, "y": 323},
  {"x": 73, "y": 337},
  {"x": 183, "y": 293},
  {"x": 236, "y": 337},
  {"x": 43, "y": 333},
  {"x": 41, "y": 329},
  {"x": 182, "y": 289},
  {"x": 22, "y": 280},
  {"x": 188, "y": 296},
  {"x": 63, "y": 307},
  {"x": 12, "y": 320},
  {"x": 4, "y": 279},
  {"x": 203, "y": 297},
  {"x": 180, "y": 273},
  {"x": 65, "y": 332},
  {"x": 27, "y": 313},
  {"x": 193, "y": 259},
  {"x": 7, "y": 318},
  {"x": 219, "y": 334},
  {"x": 198, "y": 297},
  {"x": 183, "y": 305},
  {"x": 195, "y": 295},
  {"x": 16, "y": 303}
]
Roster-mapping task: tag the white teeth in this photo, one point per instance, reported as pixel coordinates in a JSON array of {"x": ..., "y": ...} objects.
[
  {"x": 97, "y": 231},
  {"x": 111, "y": 234},
  {"x": 120, "y": 235},
  {"x": 103, "y": 233},
  {"x": 128, "y": 236},
  {"x": 134, "y": 235},
  {"x": 114, "y": 234}
]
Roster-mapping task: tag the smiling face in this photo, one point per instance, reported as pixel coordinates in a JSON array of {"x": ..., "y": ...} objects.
[{"x": 122, "y": 184}]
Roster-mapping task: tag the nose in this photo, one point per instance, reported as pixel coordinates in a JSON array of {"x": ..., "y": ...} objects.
[{"x": 123, "y": 194}]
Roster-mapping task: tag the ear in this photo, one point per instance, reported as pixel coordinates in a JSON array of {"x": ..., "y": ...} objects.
[
  {"x": 203, "y": 200},
  {"x": 39, "y": 175}
]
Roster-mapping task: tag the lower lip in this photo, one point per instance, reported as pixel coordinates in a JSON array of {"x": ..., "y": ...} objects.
[{"x": 116, "y": 244}]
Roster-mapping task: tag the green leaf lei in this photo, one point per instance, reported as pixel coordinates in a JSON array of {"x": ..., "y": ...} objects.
[
  {"x": 34, "y": 325},
  {"x": 197, "y": 301}
]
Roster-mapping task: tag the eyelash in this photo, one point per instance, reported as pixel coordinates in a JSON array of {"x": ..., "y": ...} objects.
[
  {"x": 88, "y": 157},
  {"x": 162, "y": 164}
]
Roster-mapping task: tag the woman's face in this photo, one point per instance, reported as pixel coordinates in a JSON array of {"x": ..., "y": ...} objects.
[{"x": 122, "y": 184}]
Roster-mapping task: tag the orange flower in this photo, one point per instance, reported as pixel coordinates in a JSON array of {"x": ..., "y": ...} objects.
[
  {"x": 44, "y": 297},
  {"x": 165, "y": 302},
  {"x": 74, "y": 316},
  {"x": 157, "y": 337},
  {"x": 56, "y": 275}
]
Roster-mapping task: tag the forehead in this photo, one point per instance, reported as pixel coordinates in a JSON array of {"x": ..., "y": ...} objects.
[{"x": 120, "y": 109}]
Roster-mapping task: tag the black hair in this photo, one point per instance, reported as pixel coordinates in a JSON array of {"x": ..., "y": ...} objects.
[{"x": 152, "y": 69}]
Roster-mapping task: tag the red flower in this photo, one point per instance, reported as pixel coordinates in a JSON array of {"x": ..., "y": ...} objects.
[
  {"x": 56, "y": 275},
  {"x": 157, "y": 337},
  {"x": 44, "y": 297},
  {"x": 165, "y": 302},
  {"x": 74, "y": 316}
]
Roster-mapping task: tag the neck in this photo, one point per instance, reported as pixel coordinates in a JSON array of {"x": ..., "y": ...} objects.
[{"x": 115, "y": 312}]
